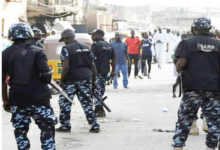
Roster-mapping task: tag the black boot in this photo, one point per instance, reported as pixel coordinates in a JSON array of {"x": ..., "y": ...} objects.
[
  {"x": 63, "y": 129},
  {"x": 95, "y": 128}
]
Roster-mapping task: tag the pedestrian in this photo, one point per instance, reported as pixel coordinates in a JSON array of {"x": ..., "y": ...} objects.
[
  {"x": 77, "y": 77},
  {"x": 37, "y": 39},
  {"x": 159, "y": 40},
  {"x": 170, "y": 45},
  {"x": 29, "y": 94},
  {"x": 133, "y": 44},
  {"x": 153, "y": 48},
  {"x": 146, "y": 55},
  {"x": 53, "y": 32},
  {"x": 104, "y": 56},
  {"x": 120, "y": 49},
  {"x": 178, "y": 38},
  {"x": 150, "y": 35},
  {"x": 201, "y": 85}
]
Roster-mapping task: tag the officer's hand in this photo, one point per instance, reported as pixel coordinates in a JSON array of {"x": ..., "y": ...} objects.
[
  {"x": 46, "y": 77},
  {"x": 6, "y": 106},
  {"x": 112, "y": 74}
]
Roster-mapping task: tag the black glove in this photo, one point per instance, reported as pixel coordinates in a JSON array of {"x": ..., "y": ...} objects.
[
  {"x": 6, "y": 106},
  {"x": 46, "y": 77}
]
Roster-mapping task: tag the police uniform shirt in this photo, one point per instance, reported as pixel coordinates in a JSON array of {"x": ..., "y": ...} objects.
[
  {"x": 202, "y": 70},
  {"x": 29, "y": 92},
  {"x": 146, "y": 47},
  {"x": 80, "y": 58},
  {"x": 181, "y": 50},
  {"x": 103, "y": 53}
]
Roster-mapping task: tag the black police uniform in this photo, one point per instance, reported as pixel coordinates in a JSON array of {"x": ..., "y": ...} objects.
[
  {"x": 29, "y": 95},
  {"x": 201, "y": 85},
  {"x": 103, "y": 53},
  {"x": 78, "y": 81}
]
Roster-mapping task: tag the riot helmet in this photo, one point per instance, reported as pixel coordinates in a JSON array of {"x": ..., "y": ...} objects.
[
  {"x": 20, "y": 31},
  {"x": 202, "y": 24}
]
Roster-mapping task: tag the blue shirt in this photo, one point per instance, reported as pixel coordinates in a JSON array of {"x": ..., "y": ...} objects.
[
  {"x": 120, "y": 49},
  {"x": 146, "y": 47}
]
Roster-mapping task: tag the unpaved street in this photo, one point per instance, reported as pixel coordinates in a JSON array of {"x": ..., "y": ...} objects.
[{"x": 135, "y": 113}]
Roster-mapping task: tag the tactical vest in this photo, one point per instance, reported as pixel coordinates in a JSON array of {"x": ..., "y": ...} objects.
[
  {"x": 26, "y": 87},
  {"x": 21, "y": 64},
  {"x": 103, "y": 54},
  {"x": 203, "y": 64},
  {"x": 79, "y": 62}
]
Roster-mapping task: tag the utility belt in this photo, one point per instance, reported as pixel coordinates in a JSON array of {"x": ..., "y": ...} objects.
[
  {"x": 201, "y": 91},
  {"x": 179, "y": 84},
  {"x": 72, "y": 81}
]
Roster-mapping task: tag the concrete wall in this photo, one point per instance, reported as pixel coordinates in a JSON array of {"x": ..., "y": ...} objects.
[
  {"x": 99, "y": 20},
  {"x": 11, "y": 13},
  {"x": 91, "y": 20}
]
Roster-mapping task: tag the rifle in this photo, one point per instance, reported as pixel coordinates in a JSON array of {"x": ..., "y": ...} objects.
[
  {"x": 177, "y": 83},
  {"x": 60, "y": 91}
]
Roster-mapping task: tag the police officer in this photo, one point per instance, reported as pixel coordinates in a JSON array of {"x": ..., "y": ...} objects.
[
  {"x": 194, "y": 130},
  {"x": 29, "y": 95},
  {"x": 77, "y": 76},
  {"x": 104, "y": 56},
  {"x": 198, "y": 58},
  {"x": 37, "y": 39}
]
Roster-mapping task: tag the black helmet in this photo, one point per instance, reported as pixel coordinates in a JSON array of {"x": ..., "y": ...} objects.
[
  {"x": 202, "y": 24},
  {"x": 67, "y": 34},
  {"x": 20, "y": 31}
]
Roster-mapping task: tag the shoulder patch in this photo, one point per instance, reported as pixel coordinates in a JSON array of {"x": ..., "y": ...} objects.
[{"x": 205, "y": 47}]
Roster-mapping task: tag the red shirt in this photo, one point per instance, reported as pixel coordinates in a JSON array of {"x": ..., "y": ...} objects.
[{"x": 133, "y": 45}]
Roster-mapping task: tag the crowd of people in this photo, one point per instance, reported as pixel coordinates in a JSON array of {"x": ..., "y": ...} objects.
[{"x": 84, "y": 73}]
